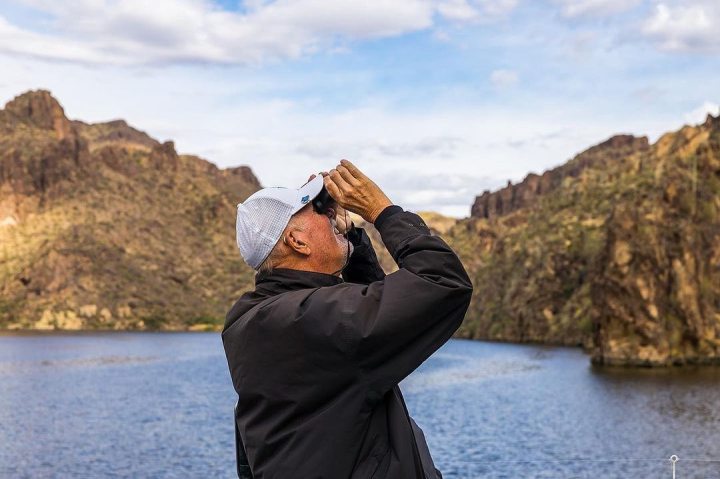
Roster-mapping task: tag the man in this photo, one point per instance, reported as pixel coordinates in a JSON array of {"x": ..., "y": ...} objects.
[{"x": 316, "y": 358}]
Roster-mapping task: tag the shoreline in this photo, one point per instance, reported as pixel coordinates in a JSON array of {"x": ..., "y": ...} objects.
[{"x": 709, "y": 363}]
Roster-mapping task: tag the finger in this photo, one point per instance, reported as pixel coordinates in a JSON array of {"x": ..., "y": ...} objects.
[
  {"x": 353, "y": 169},
  {"x": 309, "y": 180},
  {"x": 333, "y": 189},
  {"x": 339, "y": 181},
  {"x": 340, "y": 222},
  {"x": 347, "y": 176}
]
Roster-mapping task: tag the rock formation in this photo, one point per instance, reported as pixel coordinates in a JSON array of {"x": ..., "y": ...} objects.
[
  {"x": 514, "y": 197},
  {"x": 618, "y": 251},
  {"x": 103, "y": 227}
]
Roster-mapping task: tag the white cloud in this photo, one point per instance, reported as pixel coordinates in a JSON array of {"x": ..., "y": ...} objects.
[
  {"x": 475, "y": 10},
  {"x": 181, "y": 31},
  {"x": 699, "y": 114},
  {"x": 438, "y": 158},
  {"x": 18, "y": 41},
  {"x": 685, "y": 26},
  {"x": 594, "y": 8},
  {"x": 504, "y": 78},
  {"x": 437, "y": 153},
  {"x": 496, "y": 7},
  {"x": 458, "y": 10}
]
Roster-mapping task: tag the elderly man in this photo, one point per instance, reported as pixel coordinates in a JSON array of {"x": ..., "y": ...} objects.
[{"x": 317, "y": 350}]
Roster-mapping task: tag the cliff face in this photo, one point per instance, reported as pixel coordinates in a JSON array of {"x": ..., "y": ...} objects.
[
  {"x": 657, "y": 292},
  {"x": 521, "y": 195},
  {"x": 618, "y": 251},
  {"x": 101, "y": 226}
]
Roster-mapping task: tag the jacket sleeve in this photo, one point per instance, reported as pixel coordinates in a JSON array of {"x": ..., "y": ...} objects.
[
  {"x": 389, "y": 327},
  {"x": 363, "y": 267}
]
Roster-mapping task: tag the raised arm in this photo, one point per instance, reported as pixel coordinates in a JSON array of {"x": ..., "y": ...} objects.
[
  {"x": 363, "y": 267},
  {"x": 391, "y": 326}
]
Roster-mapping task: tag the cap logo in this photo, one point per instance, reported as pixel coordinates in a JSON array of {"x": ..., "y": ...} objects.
[{"x": 305, "y": 199}]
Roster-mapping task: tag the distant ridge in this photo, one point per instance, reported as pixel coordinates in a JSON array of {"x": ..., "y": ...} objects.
[
  {"x": 617, "y": 250},
  {"x": 515, "y": 197},
  {"x": 104, "y": 227}
]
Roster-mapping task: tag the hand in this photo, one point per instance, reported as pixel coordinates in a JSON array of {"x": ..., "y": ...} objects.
[
  {"x": 342, "y": 220},
  {"x": 355, "y": 192}
]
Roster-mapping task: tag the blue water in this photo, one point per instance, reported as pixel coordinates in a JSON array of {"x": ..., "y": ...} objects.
[{"x": 160, "y": 406}]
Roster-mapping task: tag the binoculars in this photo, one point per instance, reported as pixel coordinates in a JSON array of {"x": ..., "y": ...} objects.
[{"x": 323, "y": 202}]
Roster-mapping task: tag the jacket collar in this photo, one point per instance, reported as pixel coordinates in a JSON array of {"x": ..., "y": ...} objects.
[{"x": 280, "y": 280}]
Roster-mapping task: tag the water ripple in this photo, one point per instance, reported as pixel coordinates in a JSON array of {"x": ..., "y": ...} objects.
[
  {"x": 470, "y": 371},
  {"x": 14, "y": 367}
]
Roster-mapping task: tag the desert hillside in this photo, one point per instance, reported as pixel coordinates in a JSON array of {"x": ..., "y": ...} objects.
[
  {"x": 103, "y": 227},
  {"x": 618, "y": 250}
]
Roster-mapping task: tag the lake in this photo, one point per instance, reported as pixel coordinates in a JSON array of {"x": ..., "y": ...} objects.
[{"x": 159, "y": 405}]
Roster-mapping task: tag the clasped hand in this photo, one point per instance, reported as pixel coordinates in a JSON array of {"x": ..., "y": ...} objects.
[{"x": 355, "y": 192}]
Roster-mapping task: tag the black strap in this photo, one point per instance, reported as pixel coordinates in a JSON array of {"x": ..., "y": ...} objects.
[{"x": 243, "y": 466}]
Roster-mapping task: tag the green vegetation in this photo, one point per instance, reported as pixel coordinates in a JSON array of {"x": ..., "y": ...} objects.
[
  {"x": 622, "y": 257},
  {"x": 618, "y": 250},
  {"x": 111, "y": 229}
]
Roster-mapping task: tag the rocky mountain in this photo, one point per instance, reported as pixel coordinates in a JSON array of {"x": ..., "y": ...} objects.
[
  {"x": 618, "y": 250},
  {"x": 515, "y": 197},
  {"x": 104, "y": 227}
]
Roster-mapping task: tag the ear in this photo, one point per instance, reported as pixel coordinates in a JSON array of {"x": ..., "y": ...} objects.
[{"x": 298, "y": 241}]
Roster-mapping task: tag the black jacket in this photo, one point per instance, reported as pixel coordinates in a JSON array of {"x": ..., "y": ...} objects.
[{"x": 316, "y": 360}]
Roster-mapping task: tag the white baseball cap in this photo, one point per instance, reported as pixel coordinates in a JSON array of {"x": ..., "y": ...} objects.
[{"x": 262, "y": 218}]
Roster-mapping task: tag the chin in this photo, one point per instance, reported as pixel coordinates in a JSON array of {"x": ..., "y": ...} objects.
[
  {"x": 344, "y": 244},
  {"x": 343, "y": 253}
]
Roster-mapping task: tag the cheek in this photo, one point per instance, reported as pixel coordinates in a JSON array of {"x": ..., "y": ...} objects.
[
  {"x": 330, "y": 245},
  {"x": 325, "y": 233}
]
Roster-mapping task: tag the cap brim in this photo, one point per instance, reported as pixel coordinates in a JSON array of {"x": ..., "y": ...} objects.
[{"x": 307, "y": 192}]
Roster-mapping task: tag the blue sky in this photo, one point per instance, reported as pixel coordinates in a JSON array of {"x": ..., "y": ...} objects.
[{"x": 435, "y": 99}]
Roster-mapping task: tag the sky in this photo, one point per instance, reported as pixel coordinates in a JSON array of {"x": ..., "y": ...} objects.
[{"x": 435, "y": 100}]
